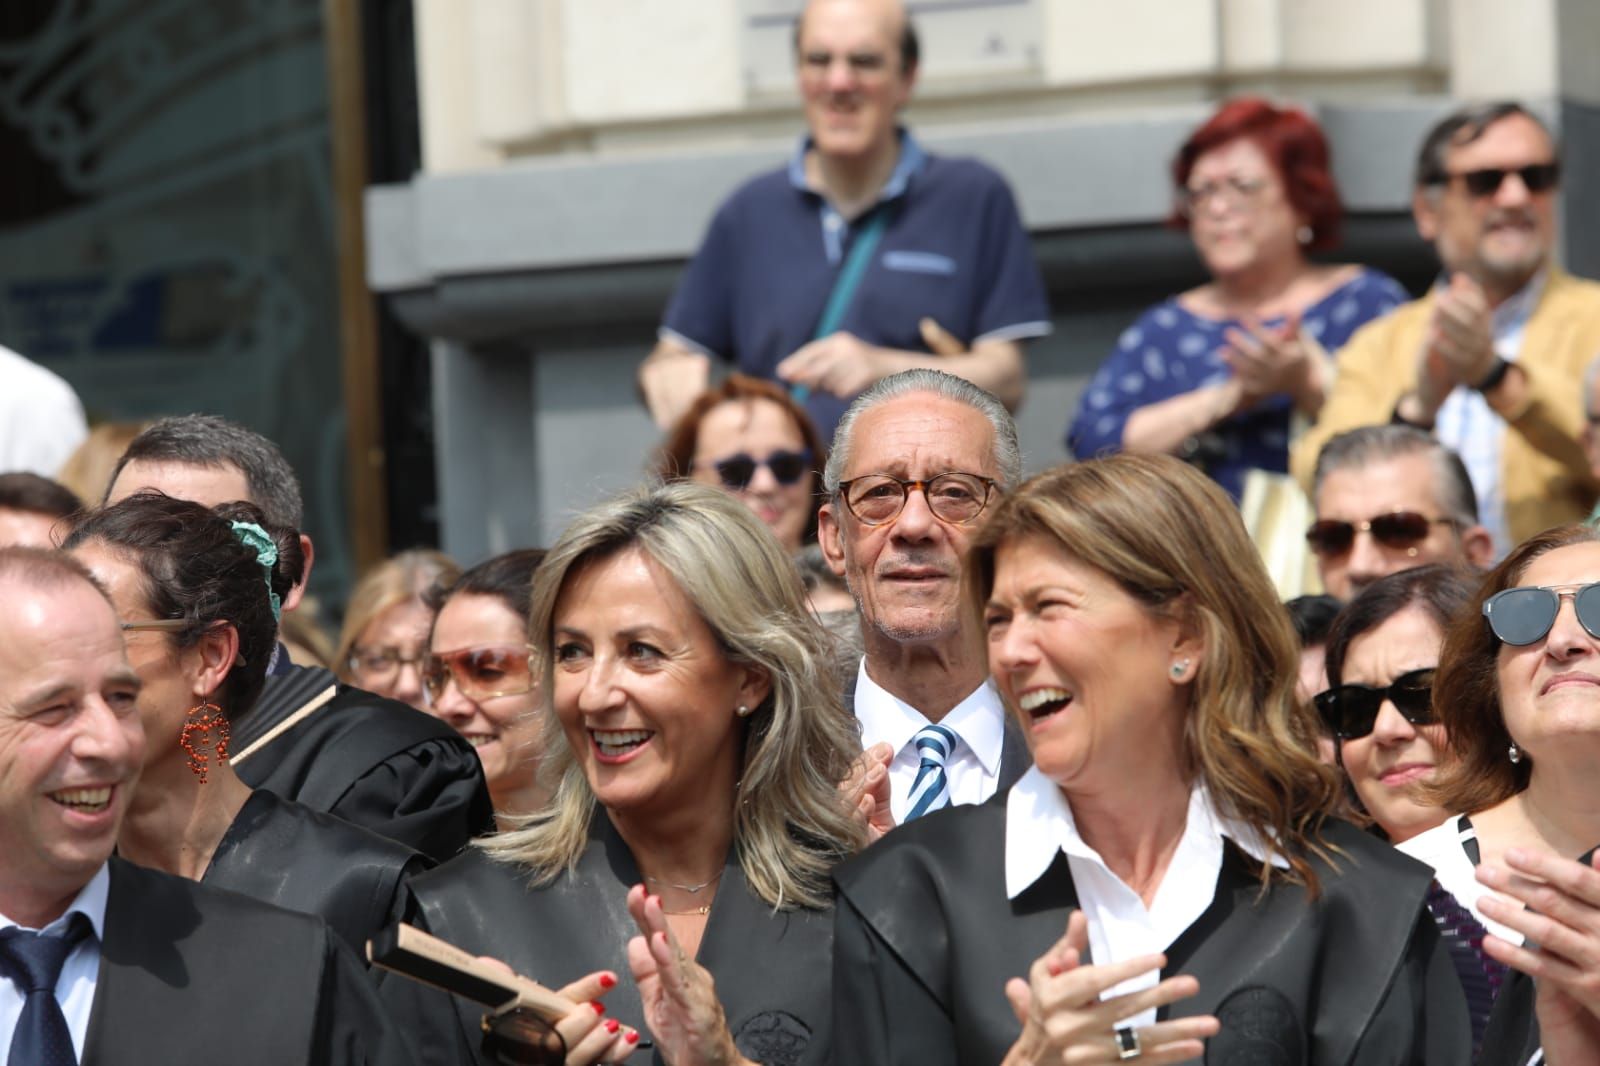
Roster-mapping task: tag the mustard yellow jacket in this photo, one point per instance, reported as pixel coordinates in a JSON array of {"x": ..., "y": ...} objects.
[{"x": 1546, "y": 478}]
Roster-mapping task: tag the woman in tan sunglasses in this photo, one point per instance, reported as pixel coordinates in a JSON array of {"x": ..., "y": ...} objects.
[{"x": 477, "y": 677}]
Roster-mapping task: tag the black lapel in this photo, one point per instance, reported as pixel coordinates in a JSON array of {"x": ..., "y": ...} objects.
[{"x": 142, "y": 935}]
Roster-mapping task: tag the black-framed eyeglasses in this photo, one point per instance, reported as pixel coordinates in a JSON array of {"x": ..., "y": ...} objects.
[
  {"x": 1525, "y": 615},
  {"x": 788, "y": 467},
  {"x": 519, "y": 1036},
  {"x": 1397, "y": 529},
  {"x": 1536, "y": 178},
  {"x": 385, "y": 662},
  {"x": 1351, "y": 711},
  {"x": 953, "y": 497}
]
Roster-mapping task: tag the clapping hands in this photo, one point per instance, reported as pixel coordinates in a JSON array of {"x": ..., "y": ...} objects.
[
  {"x": 1064, "y": 1020},
  {"x": 1555, "y": 904}
]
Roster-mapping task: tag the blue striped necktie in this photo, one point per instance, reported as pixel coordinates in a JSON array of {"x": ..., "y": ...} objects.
[{"x": 931, "y": 789}]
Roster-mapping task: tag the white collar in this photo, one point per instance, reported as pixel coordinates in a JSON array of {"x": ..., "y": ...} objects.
[
  {"x": 979, "y": 720},
  {"x": 1039, "y": 823},
  {"x": 89, "y": 902}
]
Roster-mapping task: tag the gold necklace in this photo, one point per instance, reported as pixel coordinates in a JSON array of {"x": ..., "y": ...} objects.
[
  {"x": 693, "y": 890},
  {"x": 700, "y": 911}
]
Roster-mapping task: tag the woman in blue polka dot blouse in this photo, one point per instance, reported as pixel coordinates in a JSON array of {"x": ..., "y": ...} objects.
[{"x": 1214, "y": 374}]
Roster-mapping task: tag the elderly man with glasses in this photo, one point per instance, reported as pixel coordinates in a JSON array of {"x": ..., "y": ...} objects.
[
  {"x": 1491, "y": 360},
  {"x": 916, "y": 461}
]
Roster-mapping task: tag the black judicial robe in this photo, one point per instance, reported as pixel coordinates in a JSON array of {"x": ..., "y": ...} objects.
[
  {"x": 771, "y": 969},
  {"x": 1512, "y": 1035},
  {"x": 191, "y": 974},
  {"x": 374, "y": 762},
  {"x": 925, "y": 940},
  {"x": 303, "y": 860}
]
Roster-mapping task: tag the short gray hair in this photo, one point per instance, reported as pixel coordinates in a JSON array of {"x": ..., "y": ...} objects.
[
  {"x": 1367, "y": 445},
  {"x": 210, "y": 441},
  {"x": 1007, "y": 452}
]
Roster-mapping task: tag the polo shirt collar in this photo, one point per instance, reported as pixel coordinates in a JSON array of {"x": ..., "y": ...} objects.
[
  {"x": 978, "y": 720},
  {"x": 1039, "y": 823},
  {"x": 911, "y": 161}
]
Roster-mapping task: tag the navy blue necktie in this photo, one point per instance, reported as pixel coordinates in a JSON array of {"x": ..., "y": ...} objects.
[{"x": 33, "y": 961}]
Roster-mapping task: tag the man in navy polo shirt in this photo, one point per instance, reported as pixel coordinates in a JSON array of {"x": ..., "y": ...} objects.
[{"x": 860, "y": 257}]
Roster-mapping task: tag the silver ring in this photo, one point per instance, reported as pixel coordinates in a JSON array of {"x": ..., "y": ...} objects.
[{"x": 1127, "y": 1043}]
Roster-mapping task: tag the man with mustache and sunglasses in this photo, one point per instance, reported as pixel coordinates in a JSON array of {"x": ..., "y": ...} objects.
[
  {"x": 1390, "y": 498},
  {"x": 1490, "y": 361}
]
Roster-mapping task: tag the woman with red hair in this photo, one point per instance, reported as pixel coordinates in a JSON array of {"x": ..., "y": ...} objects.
[{"x": 1214, "y": 374}]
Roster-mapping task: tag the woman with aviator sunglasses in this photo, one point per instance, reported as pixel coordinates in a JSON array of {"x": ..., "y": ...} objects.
[
  {"x": 747, "y": 437},
  {"x": 1518, "y": 691},
  {"x": 478, "y": 680}
]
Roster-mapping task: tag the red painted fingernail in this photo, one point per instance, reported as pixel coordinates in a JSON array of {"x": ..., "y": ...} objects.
[
  {"x": 632, "y": 1037},
  {"x": 612, "y": 1025},
  {"x": 599, "y": 1008},
  {"x": 607, "y": 981}
]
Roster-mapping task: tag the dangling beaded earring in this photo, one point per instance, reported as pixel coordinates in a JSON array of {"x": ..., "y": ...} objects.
[
  {"x": 1514, "y": 753},
  {"x": 204, "y": 734}
]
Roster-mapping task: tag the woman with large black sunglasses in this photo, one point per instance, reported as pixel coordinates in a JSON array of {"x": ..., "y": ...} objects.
[
  {"x": 749, "y": 438},
  {"x": 1381, "y": 655},
  {"x": 1518, "y": 691}
]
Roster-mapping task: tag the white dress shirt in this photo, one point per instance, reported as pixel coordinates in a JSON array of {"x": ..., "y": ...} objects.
[
  {"x": 1444, "y": 848},
  {"x": 1039, "y": 823},
  {"x": 75, "y": 987},
  {"x": 978, "y": 722}
]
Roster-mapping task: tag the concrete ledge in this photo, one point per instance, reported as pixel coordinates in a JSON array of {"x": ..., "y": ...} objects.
[{"x": 1071, "y": 173}]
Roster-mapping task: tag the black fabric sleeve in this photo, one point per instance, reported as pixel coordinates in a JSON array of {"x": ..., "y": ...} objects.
[
  {"x": 430, "y": 797},
  {"x": 352, "y": 1028},
  {"x": 427, "y": 1020},
  {"x": 881, "y": 1013}
]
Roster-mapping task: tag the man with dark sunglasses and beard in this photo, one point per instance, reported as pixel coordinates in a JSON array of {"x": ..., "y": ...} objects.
[
  {"x": 1389, "y": 498},
  {"x": 1490, "y": 361}
]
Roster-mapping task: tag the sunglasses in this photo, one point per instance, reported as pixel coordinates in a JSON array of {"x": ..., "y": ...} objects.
[
  {"x": 1398, "y": 529},
  {"x": 520, "y": 1037},
  {"x": 737, "y": 471},
  {"x": 479, "y": 673},
  {"x": 1537, "y": 178},
  {"x": 1350, "y": 711},
  {"x": 1523, "y": 616}
]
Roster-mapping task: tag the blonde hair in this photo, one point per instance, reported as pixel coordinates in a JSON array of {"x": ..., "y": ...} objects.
[
  {"x": 1174, "y": 542},
  {"x": 790, "y": 823},
  {"x": 398, "y": 579}
]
